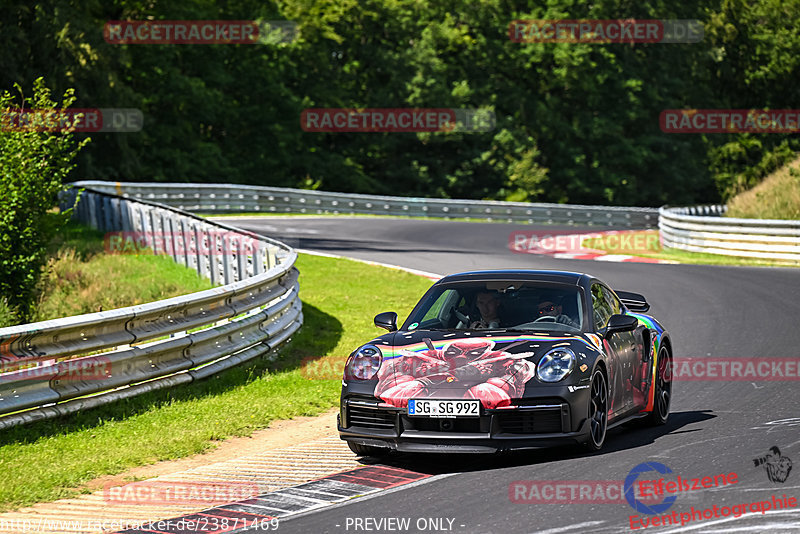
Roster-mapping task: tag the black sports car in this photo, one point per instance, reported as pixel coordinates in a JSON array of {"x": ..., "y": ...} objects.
[{"x": 497, "y": 360}]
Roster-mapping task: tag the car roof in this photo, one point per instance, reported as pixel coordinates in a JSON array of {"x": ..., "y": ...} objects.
[{"x": 564, "y": 277}]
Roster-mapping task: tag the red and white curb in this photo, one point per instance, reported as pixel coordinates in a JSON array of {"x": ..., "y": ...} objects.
[
  {"x": 602, "y": 256},
  {"x": 265, "y": 511}
]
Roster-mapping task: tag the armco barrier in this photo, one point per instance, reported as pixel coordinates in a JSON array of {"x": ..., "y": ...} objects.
[
  {"x": 60, "y": 366},
  {"x": 231, "y": 198},
  {"x": 701, "y": 229}
]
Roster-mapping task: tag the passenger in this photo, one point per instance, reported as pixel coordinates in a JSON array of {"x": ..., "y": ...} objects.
[{"x": 550, "y": 306}]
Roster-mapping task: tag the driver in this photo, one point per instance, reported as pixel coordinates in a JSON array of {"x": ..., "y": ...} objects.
[
  {"x": 488, "y": 303},
  {"x": 550, "y": 306}
]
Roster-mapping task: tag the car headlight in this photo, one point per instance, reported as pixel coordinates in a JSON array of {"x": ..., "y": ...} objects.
[
  {"x": 364, "y": 364},
  {"x": 556, "y": 365}
]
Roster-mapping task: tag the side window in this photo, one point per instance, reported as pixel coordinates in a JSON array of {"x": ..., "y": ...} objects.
[
  {"x": 601, "y": 307},
  {"x": 441, "y": 308},
  {"x": 613, "y": 301}
]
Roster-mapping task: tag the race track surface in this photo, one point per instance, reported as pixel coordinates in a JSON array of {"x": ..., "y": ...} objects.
[{"x": 715, "y": 427}]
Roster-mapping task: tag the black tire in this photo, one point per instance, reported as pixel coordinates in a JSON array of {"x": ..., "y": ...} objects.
[
  {"x": 663, "y": 393},
  {"x": 598, "y": 411},
  {"x": 367, "y": 450}
]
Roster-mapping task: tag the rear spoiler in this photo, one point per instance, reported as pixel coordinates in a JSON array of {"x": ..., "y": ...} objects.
[{"x": 633, "y": 301}]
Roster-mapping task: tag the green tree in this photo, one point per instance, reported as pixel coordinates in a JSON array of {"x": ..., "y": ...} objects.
[{"x": 33, "y": 164}]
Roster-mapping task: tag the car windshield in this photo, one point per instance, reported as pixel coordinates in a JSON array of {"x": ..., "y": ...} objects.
[{"x": 518, "y": 306}]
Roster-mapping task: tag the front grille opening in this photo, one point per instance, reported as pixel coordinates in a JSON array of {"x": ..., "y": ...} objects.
[
  {"x": 531, "y": 421},
  {"x": 369, "y": 418},
  {"x": 437, "y": 424}
]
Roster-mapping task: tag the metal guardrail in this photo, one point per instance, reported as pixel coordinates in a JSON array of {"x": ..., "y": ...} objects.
[
  {"x": 64, "y": 365},
  {"x": 702, "y": 229},
  {"x": 232, "y": 198}
]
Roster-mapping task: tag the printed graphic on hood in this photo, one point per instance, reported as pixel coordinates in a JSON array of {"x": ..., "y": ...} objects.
[{"x": 463, "y": 368}]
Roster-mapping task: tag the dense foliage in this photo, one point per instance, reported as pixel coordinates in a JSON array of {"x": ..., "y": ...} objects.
[
  {"x": 575, "y": 122},
  {"x": 33, "y": 166}
]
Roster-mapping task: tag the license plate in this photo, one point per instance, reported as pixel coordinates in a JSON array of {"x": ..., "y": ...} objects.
[{"x": 444, "y": 408}]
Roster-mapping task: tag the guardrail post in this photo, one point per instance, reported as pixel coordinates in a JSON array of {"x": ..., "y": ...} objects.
[
  {"x": 171, "y": 225},
  {"x": 91, "y": 200},
  {"x": 199, "y": 245},
  {"x": 242, "y": 252},
  {"x": 208, "y": 254},
  {"x": 125, "y": 216},
  {"x": 108, "y": 215},
  {"x": 149, "y": 230},
  {"x": 116, "y": 215},
  {"x": 187, "y": 239},
  {"x": 215, "y": 258},
  {"x": 258, "y": 258},
  {"x": 227, "y": 258}
]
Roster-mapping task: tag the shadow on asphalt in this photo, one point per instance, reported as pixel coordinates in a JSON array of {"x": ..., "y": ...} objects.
[{"x": 618, "y": 439}]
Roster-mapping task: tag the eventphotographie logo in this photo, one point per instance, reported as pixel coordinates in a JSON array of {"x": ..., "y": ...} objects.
[
  {"x": 635, "y": 501},
  {"x": 775, "y": 464}
]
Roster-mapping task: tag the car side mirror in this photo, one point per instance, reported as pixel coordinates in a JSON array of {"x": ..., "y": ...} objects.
[
  {"x": 621, "y": 323},
  {"x": 387, "y": 320}
]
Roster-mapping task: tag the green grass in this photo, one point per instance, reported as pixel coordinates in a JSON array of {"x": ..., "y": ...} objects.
[
  {"x": 81, "y": 278},
  {"x": 776, "y": 197},
  {"x": 56, "y": 458},
  {"x": 702, "y": 258}
]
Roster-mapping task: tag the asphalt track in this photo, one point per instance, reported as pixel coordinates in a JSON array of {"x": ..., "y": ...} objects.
[{"x": 715, "y": 427}]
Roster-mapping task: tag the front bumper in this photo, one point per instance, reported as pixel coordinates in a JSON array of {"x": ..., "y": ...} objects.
[{"x": 543, "y": 423}]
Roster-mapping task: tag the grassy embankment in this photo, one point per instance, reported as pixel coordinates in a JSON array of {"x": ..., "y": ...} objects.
[
  {"x": 646, "y": 244},
  {"x": 56, "y": 458},
  {"x": 777, "y": 197},
  {"x": 81, "y": 278}
]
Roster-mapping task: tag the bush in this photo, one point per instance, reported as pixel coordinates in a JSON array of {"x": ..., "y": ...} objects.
[
  {"x": 35, "y": 158},
  {"x": 7, "y": 315}
]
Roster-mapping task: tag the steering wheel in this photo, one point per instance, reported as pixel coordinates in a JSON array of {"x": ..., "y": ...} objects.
[
  {"x": 460, "y": 316},
  {"x": 546, "y": 318}
]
